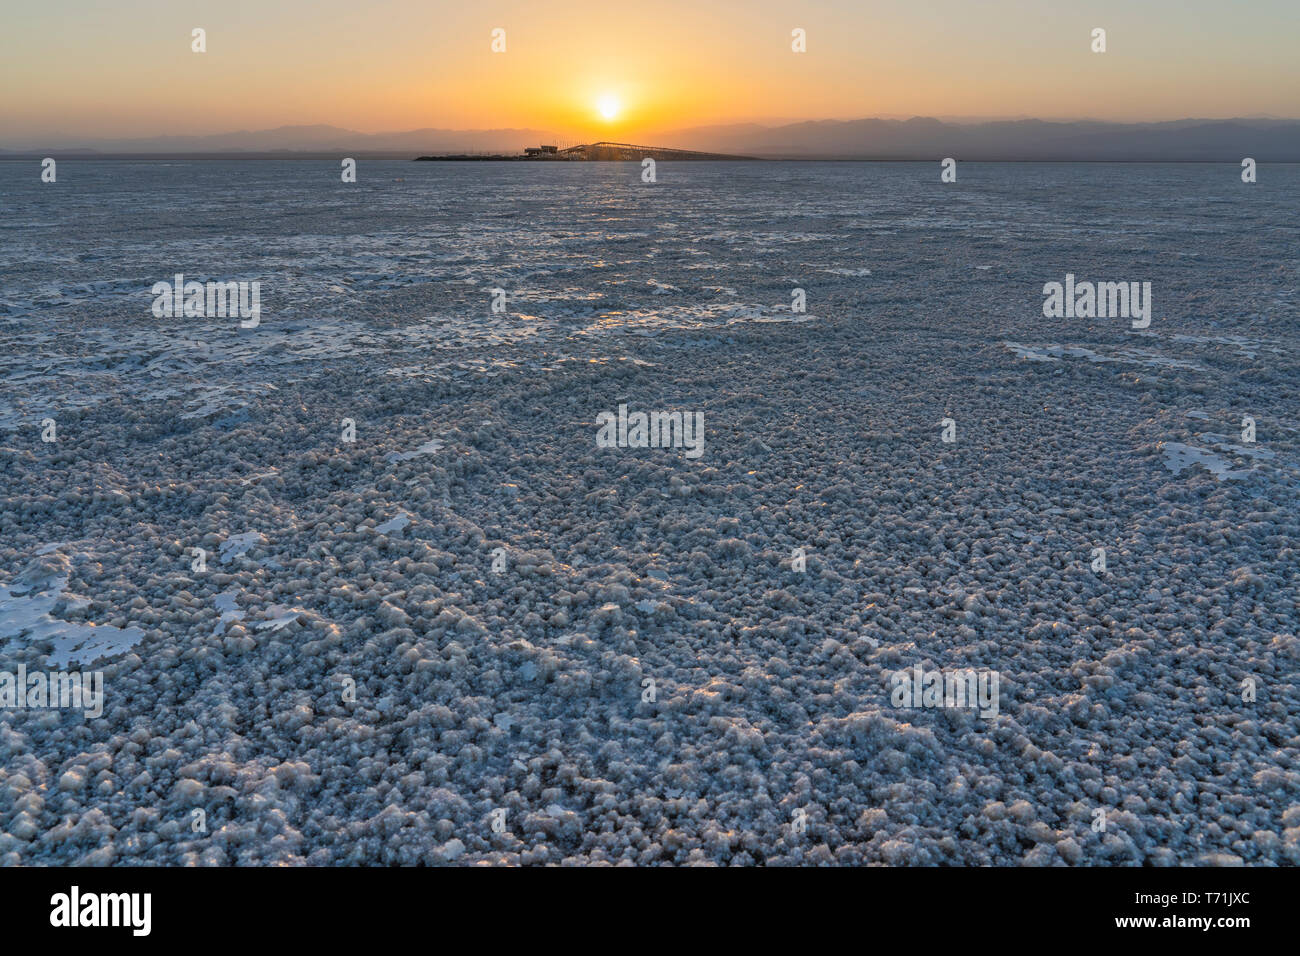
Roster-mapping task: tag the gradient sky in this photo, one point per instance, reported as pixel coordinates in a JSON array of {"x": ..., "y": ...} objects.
[{"x": 124, "y": 68}]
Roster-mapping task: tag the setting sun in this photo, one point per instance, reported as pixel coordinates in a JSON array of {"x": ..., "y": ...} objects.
[{"x": 608, "y": 106}]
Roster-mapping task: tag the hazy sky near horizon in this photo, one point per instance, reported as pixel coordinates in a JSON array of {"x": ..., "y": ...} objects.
[{"x": 123, "y": 69}]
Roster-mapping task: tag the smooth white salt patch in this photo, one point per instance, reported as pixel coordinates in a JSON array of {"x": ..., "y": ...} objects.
[
  {"x": 225, "y": 602},
  {"x": 428, "y": 448},
  {"x": 259, "y": 476},
  {"x": 1054, "y": 353},
  {"x": 1031, "y": 352},
  {"x": 1246, "y": 347},
  {"x": 1224, "y": 443},
  {"x": 1179, "y": 457},
  {"x": 28, "y": 616},
  {"x": 284, "y": 616},
  {"x": 239, "y": 544},
  {"x": 394, "y": 524}
]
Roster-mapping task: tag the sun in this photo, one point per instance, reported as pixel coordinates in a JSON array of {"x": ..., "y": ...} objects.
[{"x": 609, "y": 106}]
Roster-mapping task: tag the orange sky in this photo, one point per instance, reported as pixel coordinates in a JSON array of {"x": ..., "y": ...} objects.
[{"x": 126, "y": 68}]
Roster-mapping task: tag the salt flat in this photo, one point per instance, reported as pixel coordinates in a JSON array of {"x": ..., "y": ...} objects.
[{"x": 471, "y": 607}]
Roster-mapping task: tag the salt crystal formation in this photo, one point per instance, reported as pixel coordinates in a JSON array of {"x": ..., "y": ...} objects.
[{"x": 639, "y": 657}]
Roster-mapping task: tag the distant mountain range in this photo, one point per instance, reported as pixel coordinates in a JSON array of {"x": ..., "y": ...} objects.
[
  {"x": 1266, "y": 140},
  {"x": 309, "y": 140},
  {"x": 1189, "y": 140}
]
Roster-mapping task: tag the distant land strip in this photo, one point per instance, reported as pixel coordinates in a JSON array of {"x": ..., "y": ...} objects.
[
  {"x": 590, "y": 152},
  {"x": 1268, "y": 140}
]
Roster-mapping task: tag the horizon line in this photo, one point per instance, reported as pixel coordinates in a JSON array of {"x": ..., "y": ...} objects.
[{"x": 770, "y": 124}]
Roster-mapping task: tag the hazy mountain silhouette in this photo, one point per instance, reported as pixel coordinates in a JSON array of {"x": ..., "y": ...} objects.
[
  {"x": 922, "y": 138},
  {"x": 319, "y": 140},
  {"x": 1190, "y": 140}
]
